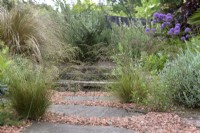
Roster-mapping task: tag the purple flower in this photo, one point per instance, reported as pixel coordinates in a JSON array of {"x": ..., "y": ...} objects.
[
  {"x": 161, "y": 17},
  {"x": 148, "y": 30},
  {"x": 176, "y": 32},
  {"x": 162, "y": 26},
  {"x": 153, "y": 30},
  {"x": 177, "y": 28},
  {"x": 153, "y": 21},
  {"x": 183, "y": 38},
  {"x": 156, "y": 15},
  {"x": 187, "y": 30},
  {"x": 167, "y": 23},
  {"x": 187, "y": 36},
  {"x": 171, "y": 31},
  {"x": 178, "y": 25},
  {"x": 169, "y": 14},
  {"x": 169, "y": 18}
]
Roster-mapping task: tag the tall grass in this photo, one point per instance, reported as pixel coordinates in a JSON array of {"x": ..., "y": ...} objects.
[
  {"x": 29, "y": 88},
  {"x": 131, "y": 84},
  {"x": 27, "y": 31}
]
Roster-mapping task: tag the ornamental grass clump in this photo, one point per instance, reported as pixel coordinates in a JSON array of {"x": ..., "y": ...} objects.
[
  {"x": 182, "y": 78},
  {"x": 130, "y": 86},
  {"x": 33, "y": 34},
  {"x": 29, "y": 88}
]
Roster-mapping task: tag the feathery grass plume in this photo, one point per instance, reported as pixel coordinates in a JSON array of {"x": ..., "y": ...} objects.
[{"x": 27, "y": 31}]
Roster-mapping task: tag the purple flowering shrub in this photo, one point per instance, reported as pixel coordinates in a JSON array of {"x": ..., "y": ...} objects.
[{"x": 168, "y": 27}]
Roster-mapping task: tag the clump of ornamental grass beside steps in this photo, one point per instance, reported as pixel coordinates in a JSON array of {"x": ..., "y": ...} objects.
[{"x": 29, "y": 88}]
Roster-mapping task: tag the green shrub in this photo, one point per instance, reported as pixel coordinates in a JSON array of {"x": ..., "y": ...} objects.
[
  {"x": 4, "y": 62},
  {"x": 193, "y": 44},
  {"x": 153, "y": 62},
  {"x": 135, "y": 39},
  {"x": 181, "y": 77},
  {"x": 87, "y": 30},
  {"x": 9, "y": 119},
  {"x": 135, "y": 84},
  {"x": 159, "y": 96},
  {"x": 29, "y": 88}
]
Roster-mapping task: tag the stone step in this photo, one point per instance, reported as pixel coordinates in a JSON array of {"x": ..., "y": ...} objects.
[
  {"x": 91, "y": 111},
  {"x": 90, "y": 98},
  {"x": 87, "y": 76},
  {"x": 101, "y": 70},
  {"x": 64, "y": 85},
  {"x": 64, "y": 128},
  {"x": 88, "y": 69},
  {"x": 195, "y": 121}
]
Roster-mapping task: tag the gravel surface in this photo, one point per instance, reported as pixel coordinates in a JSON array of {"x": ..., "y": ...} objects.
[
  {"x": 151, "y": 122},
  {"x": 9, "y": 129},
  {"x": 15, "y": 129},
  {"x": 60, "y": 98}
]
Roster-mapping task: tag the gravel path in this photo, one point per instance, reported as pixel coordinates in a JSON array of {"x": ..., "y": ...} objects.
[{"x": 152, "y": 122}]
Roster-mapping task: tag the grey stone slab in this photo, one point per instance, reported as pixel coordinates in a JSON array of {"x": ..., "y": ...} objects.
[
  {"x": 88, "y": 83},
  {"x": 195, "y": 121},
  {"x": 91, "y": 111},
  {"x": 89, "y": 98},
  {"x": 64, "y": 128}
]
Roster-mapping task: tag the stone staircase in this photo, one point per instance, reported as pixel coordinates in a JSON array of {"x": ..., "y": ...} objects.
[{"x": 85, "y": 77}]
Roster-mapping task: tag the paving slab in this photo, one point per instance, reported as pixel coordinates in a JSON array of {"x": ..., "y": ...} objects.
[
  {"x": 195, "y": 121},
  {"x": 91, "y": 111},
  {"x": 89, "y": 98},
  {"x": 64, "y": 128}
]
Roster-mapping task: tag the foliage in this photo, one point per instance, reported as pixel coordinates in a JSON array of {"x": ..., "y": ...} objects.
[
  {"x": 153, "y": 62},
  {"x": 135, "y": 39},
  {"x": 23, "y": 29},
  {"x": 134, "y": 84},
  {"x": 29, "y": 88},
  {"x": 124, "y": 7},
  {"x": 8, "y": 4},
  {"x": 8, "y": 118},
  {"x": 195, "y": 18},
  {"x": 160, "y": 98},
  {"x": 87, "y": 31},
  {"x": 147, "y": 8},
  {"x": 181, "y": 77},
  {"x": 7, "y": 115},
  {"x": 4, "y": 62},
  {"x": 130, "y": 85},
  {"x": 193, "y": 44},
  {"x": 186, "y": 10}
]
